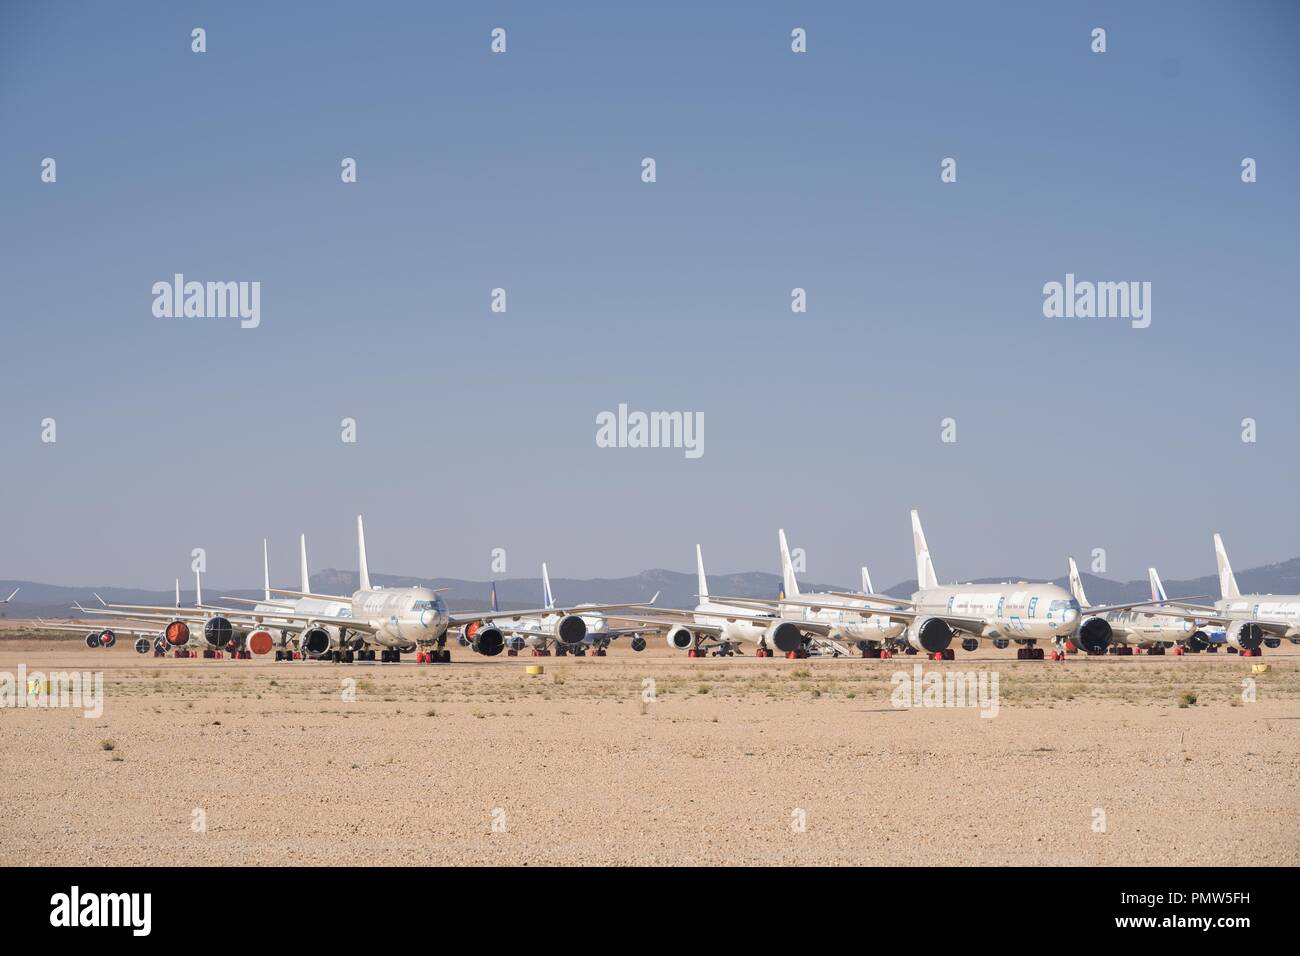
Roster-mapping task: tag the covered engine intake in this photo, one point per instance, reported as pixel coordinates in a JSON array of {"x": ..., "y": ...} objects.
[
  {"x": 1245, "y": 635},
  {"x": 785, "y": 636},
  {"x": 177, "y": 633},
  {"x": 571, "y": 629},
  {"x": 260, "y": 641},
  {"x": 1094, "y": 635},
  {"x": 218, "y": 631},
  {"x": 92, "y": 639},
  {"x": 315, "y": 641},
  {"x": 143, "y": 645},
  {"x": 929, "y": 634},
  {"x": 488, "y": 641},
  {"x": 638, "y": 643}
]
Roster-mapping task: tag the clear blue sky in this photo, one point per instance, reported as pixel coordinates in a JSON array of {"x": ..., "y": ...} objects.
[{"x": 522, "y": 170}]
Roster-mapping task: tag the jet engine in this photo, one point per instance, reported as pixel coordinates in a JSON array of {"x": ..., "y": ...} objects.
[
  {"x": 177, "y": 633},
  {"x": 315, "y": 641},
  {"x": 1093, "y": 636},
  {"x": 680, "y": 637},
  {"x": 488, "y": 641},
  {"x": 1245, "y": 635},
  {"x": 466, "y": 635},
  {"x": 259, "y": 641},
  {"x": 785, "y": 636},
  {"x": 92, "y": 639},
  {"x": 638, "y": 643},
  {"x": 142, "y": 645},
  {"x": 107, "y": 638},
  {"x": 218, "y": 631},
  {"x": 929, "y": 634},
  {"x": 570, "y": 629}
]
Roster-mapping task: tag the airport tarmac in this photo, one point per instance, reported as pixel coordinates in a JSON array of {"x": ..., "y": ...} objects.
[{"x": 651, "y": 758}]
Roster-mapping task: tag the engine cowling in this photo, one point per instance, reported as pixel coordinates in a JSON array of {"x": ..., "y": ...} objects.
[
  {"x": 680, "y": 637},
  {"x": 929, "y": 634},
  {"x": 259, "y": 641},
  {"x": 785, "y": 636},
  {"x": 970, "y": 645},
  {"x": 92, "y": 639},
  {"x": 488, "y": 641},
  {"x": 638, "y": 643},
  {"x": 107, "y": 638},
  {"x": 142, "y": 645},
  {"x": 1245, "y": 635},
  {"x": 570, "y": 629},
  {"x": 177, "y": 633},
  {"x": 218, "y": 631},
  {"x": 1094, "y": 635},
  {"x": 466, "y": 635},
  {"x": 315, "y": 641}
]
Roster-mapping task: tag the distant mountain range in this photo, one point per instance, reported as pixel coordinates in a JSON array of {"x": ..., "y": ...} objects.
[{"x": 677, "y": 589}]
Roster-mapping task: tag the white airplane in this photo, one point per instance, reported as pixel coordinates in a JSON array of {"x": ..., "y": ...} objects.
[
  {"x": 838, "y": 618},
  {"x": 720, "y": 626},
  {"x": 398, "y": 620},
  {"x": 316, "y": 639},
  {"x": 570, "y": 630},
  {"x": 1130, "y": 628},
  {"x": 1249, "y": 621},
  {"x": 1023, "y": 612}
]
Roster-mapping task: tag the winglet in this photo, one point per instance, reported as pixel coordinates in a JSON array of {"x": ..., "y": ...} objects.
[
  {"x": 866, "y": 581},
  {"x": 789, "y": 583},
  {"x": 654, "y": 599},
  {"x": 100, "y": 599},
  {"x": 1227, "y": 580},
  {"x": 10, "y": 597},
  {"x": 925, "y": 576},
  {"x": 361, "y": 549}
]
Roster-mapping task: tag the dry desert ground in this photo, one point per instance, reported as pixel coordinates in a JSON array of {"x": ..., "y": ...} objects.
[{"x": 651, "y": 758}]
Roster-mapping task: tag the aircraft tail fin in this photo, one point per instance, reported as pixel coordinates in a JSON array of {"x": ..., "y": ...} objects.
[
  {"x": 1076, "y": 585},
  {"x": 266, "y": 572},
  {"x": 302, "y": 564},
  {"x": 1227, "y": 580},
  {"x": 494, "y": 597},
  {"x": 198, "y": 588},
  {"x": 925, "y": 576},
  {"x": 178, "y": 592},
  {"x": 866, "y": 581},
  {"x": 789, "y": 583},
  {"x": 702, "y": 582},
  {"x": 1158, "y": 594},
  {"x": 548, "y": 599},
  {"x": 361, "y": 553}
]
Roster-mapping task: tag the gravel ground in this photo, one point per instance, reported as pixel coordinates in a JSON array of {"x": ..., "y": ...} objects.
[{"x": 1091, "y": 761}]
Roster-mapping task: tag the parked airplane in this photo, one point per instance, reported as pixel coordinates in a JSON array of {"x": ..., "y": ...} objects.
[
  {"x": 568, "y": 630},
  {"x": 721, "y": 626},
  {"x": 839, "y": 619},
  {"x": 1249, "y": 621},
  {"x": 315, "y": 639},
  {"x": 1022, "y": 612},
  {"x": 1130, "y": 628}
]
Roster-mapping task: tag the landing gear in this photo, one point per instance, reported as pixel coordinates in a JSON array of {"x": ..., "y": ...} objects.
[
  {"x": 390, "y": 656},
  {"x": 1029, "y": 654},
  {"x": 1157, "y": 650},
  {"x": 946, "y": 654}
]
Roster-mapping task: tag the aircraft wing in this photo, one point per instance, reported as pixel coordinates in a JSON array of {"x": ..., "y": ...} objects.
[
  {"x": 1273, "y": 628},
  {"x": 814, "y": 605},
  {"x": 475, "y": 617},
  {"x": 882, "y": 598},
  {"x": 713, "y": 629}
]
